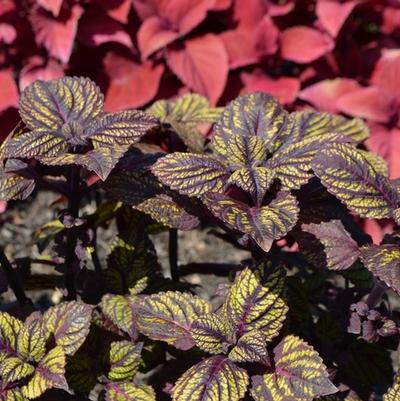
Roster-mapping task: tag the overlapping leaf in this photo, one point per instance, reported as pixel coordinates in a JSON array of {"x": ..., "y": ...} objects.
[
  {"x": 9, "y": 329},
  {"x": 215, "y": 378},
  {"x": 254, "y": 302},
  {"x": 129, "y": 392},
  {"x": 13, "y": 369},
  {"x": 251, "y": 347},
  {"x": 299, "y": 374},
  {"x": 348, "y": 175},
  {"x": 383, "y": 261},
  {"x": 31, "y": 343},
  {"x": 125, "y": 358},
  {"x": 13, "y": 185},
  {"x": 168, "y": 316},
  {"x": 264, "y": 224},
  {"x": 69, "y": 323}
]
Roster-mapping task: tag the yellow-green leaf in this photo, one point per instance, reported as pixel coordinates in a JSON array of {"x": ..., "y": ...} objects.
[
  {"x": 13, "y": 369},
  {"x": 129, "y": 392},
  {"x": 31, "y": 342},
  {"x": 10, "y": 327},
  {"x": 125, "y": 358},
  {"x": 393, "y": 394},
  {"x": 251, "y": 347}
]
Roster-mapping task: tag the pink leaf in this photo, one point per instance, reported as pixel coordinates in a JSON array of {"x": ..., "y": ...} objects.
[
  {"x": 332, "y": 14},
  {"x": 391, "y": 20},
  {"x": 56, "y": 34},
  {"x": 7, "y": 33},
  {"x": 302, "y": 44},
  {"x": 97, "y": 28},
  {"x": 246, "y": 44},
  {"x": 117, "y": 9},
  {"x": 36, "y": 68},
  {"x": 145, "y": 8},
  {"x": 9, "y": 92},
  {"x": 386, "y": 73},
  {"x": 386, "y": 143},
  {"x": 368, "y": 103},
  {"x": 54, "y": 6},
  {"x": 222, "y": 4},
  {"x": 324, "y": 94},
  {"x": 169, "y": 21},
  {"x": 131, "y": 85},
  {"x": 202, "y": 65},
  {"x": 285, "y": 89}
]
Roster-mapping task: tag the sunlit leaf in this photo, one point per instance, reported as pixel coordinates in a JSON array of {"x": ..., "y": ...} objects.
[
  {"x": 190, "y": 174},
  {"x": 251, "y": 347},
  {"x": 348, "y": 175},
  {"x": 168, "y": 316},
  {"x": 215, "y": 378},
  {"x": 69, "y": 323},
  {"x": 31, "y": 342},
  {"x": 393, "y": 393},
  {"x": 299, "y": 374},
  {"x": 264, "y": 224},
  {"x": 49, "y": 374},
  {"x": 9, "y": 329},
  {"x": 13, "y": 369},
  {"x": 255, "y": 302},
  {"x": 125, "y": 358},
  {"x": 383, "y": 261},
  {"x": 129, "y": 392},
  {"x": 212, "y": 333}
]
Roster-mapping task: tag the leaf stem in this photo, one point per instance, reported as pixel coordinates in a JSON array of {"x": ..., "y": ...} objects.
[
  {"x": 173, "y": 253},
  {"x": 376, "y": 293},
  {"x": 13, "y": 280}
]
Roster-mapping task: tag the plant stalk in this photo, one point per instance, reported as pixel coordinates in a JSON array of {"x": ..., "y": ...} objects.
[
  {"x": 376, "y": 293},
  {"x": 173, "y": 254},
  {"x": 12, "y": 279}
]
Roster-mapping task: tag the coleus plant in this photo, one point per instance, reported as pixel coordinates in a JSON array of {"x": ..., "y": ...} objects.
[{"x": 308, "y": 315}]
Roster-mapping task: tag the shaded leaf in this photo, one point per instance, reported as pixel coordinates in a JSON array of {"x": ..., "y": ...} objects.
[
  {"x": 255, "y": 301},
  {"x": 348, "y": 175},
  {"x": 215, "y": 378},
  {"x": 264, "y": 224},
  {"x": 299, "y": 374},
  {"x": 80, "y": 373},
  {"x": 13, "y": 186},
  {"x": 125, "y": 358},
  {"x": 168, "y": 317},
  {"x": 383, "y": 261}
]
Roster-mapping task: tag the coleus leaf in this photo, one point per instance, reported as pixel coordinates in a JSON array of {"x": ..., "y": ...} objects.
[
  {"x": 299, "y": 374},
  {"x": 125, "y": 358},
  {"x": 215, "y": 378},
  {"x": 254, "y": 302},
  {"x": 168, "y": 316},
  {"x": 9, "y": 329},
  {"x": 69, "y": 323},
  {"x": 212, "y": 333},
  {"x": 255, "y": 114},
  {"x": 31, "y": 343},
  {"x": 12, "y": 185},
  {"x": 339, "y": 250},
  {"x": 349, "y": 176},
  {"x": 49, "y": 374},
  {"x": 14, "y": 369},
  {"x": 251, "y": 347},
  {"x": 264, "y": 224},
  {"x": 383, "y": 261},
  {"x": 119, "y": 310},
  {"x": 393, "y": 393},
  {"x": 190, "y": 174},
  {"x": 129, "y": 392}
]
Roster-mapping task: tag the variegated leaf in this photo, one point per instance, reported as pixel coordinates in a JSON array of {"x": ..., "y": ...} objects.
[
  {"x": 255, "y": 301},
  {"x": 13, "y": 394},
  {"x": 69, "y": 323},
  {"x": 251, "y": 347},
  {"x": 18, "y": 130},
  {"x": 255, "y": 114},
  {"x": 213, "y": 379},
  {"x": 46, "y": 106},
  {"x": 14, "y": 186},
  {"x": 383, "y": 261},
  {"x": 212, "y": 333},
  {"x": 168, "y": 316},
  {"x": 49, "y": 374},
  {"x": 300, "y": 374},
  {"x": 118, "y": 309},
  {"x": 31, "y": 343},
  {"x": 291, "y": 163},
  {"x": 125, "y": 358},
  {"x": 129, "y": 392},
  {"x": 191, "y": 174},
  {"x": 378, "y": 162},
  {"x": 393, "y": 394},
  {"x": 13, "y": 369},
  {"x": 328, "y": 244},
  {"x": 349, "y": 176},
  {"x": 163, "y": 209},
  {"x": 312, "y": 123},
  {"x": 264, "y": 224},
  {"x": 122, "y": 128},
  {"x": 10, "y": 327}
]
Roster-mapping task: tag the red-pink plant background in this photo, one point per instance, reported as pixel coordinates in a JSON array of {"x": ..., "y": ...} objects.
[{"x": 338, "y": 56}]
